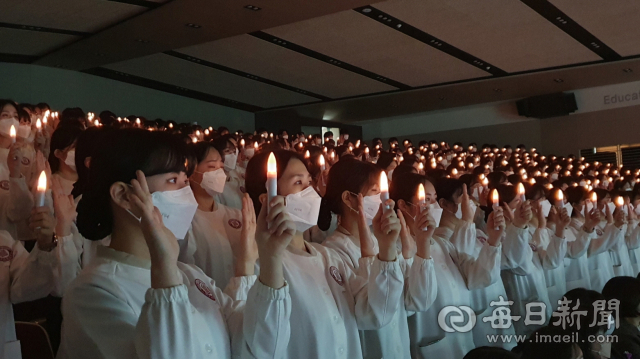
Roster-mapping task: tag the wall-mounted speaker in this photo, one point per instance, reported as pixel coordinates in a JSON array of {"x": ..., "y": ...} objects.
[{"x": 545, "y": 106}]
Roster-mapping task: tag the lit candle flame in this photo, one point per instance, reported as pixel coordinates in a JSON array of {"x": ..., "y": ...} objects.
[
  {"x": 42, "y": 182},
  {"x": 321, "y": 160},
  {"x": 255, "y": 145},
  {"x": 206, "y": 132},
  {"x": 560, "y": 196},
  {"x": 272, "y": 166},
  {"x": 619, "y": 201},
  {"x": 421, "y": 195},
  {"x": 495, "y": 198},
  {"x": 520, "y": 189},
  {"x": 485, "y": 182},
  {"x": 420, "y": 166},
  {"x": 171, "y": 125},
  {"x": 198, "y": 133},
  {"x": 96, "y": 123},
  {"x": 38, "y": 125},
  {"x": 307, "y": 154},
  {"x": 12, "y": 133},
  {"x": 241, "y": 141},
  {"x": 594, "y": 197}
]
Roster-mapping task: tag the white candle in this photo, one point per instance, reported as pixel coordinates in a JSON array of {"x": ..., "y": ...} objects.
[
  {"x": 307, "y": 154},
  {"x": 321, "y": 160},
  {"x": 384, "y": 189},
  {"x": 39, "y": 125},
  {"x": 272, "y": 178},
  {"x": 421, "y": 195},
  {"x": 495, "y": 201},
  {"x": 559, "y": 200},
  {"x": 521, "y": 192},
  {"x": 42, "y": 189}
]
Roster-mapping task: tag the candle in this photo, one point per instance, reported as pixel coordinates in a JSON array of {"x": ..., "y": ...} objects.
[
  {"x": 206, "y": 132},
  {"x": 138, "y": 121},
  {"x": 12, "y": 134},
  {"x": 619, "y": 201},
  {"x": 39, "y": 125},
  {"x": 42, "y": 189},
  {"x": 384, "y": 189},
  {"x": 272, "y": 177},
  {"x": 454, "y": 173},
  {"x": 171, "y": 125},
  {"x": 495, "y": 202},
  {"x": 45, "y": 118},
  {"x": 321, "y": 161},
  {"x": 307, "y": 154},
  {"x": 241, "y": 141},
  {"x": 485, "y": 182},
  {"x": 194, "y": 139},
  {"x": 421, "y": 195},
  {"x": 96, "y": 123},
  {"x": 421, "y": 166},
  {"x": 255, "y": 145},
  {"x": 521, "y": 192},
  {"x": 198, "y": 133},
  {"x": 559, "y": 199},
  {"x": 532, "y": 181},
  {"x": 333, "y": 156}
]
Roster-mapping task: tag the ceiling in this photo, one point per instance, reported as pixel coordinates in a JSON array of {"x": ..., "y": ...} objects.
[{"x": 348, "y": 60}]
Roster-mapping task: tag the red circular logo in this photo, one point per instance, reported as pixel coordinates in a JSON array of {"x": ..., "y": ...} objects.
[
  {"x": 4, "y": 185},
  {"x": 204, "y": 289},
  {"x": 234, "y": 223},
  {"x": 533, "y": 247},
  {"x": 482, "y": 240},
  {"x": 599, "y": 231},
  {"x": 26, "y": 161},
  {"x": 336, "y": 275},
  {"x": 6, "y": 254}
]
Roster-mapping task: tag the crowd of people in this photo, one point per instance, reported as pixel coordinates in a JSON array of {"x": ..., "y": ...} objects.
[{"x": 173, "y": 240}]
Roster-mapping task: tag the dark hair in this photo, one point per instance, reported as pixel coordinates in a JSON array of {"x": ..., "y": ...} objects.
[
  {"x": 385, "y": 159},
  {"x": 116, "y": 159},
  {"x": 495, "y": 178},
  {"x": 85, "y": 145},
  {"x": 534, "y": 348},
  {"x": 535, "y": 192},
  {"x": 506, "y": 192},
  {"x": 221, "y": 144},
  {"x": 62, "y": 138},
  {"x": 256, "y": 174},
  {"x": 4, "y": 102},
  {"x": 405, "y": 187},
  {"x": 200, "y": 150},
  {"x": 43, "y": 106},
  {"x": 446, "y": 188},
  {"x": 490, "y": 353},
  {"x": 576, "y": 194},
  {"x": 627, "y": 291},
  {"x": 346, "y": 175},
  {"x": 403, "y": 169},
  {"x": 72, "y": 116}
]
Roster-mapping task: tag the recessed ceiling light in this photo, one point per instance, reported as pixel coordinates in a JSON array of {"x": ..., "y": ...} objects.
[
  {"x": 366, "y": 10},
  {"x": 627, "y": 70},
  {"x": 558, "y": 80},
  {"x": 194, "y": 26},
  {"x": 254, "y": 8},
  {"x": 399, "y": 26}
]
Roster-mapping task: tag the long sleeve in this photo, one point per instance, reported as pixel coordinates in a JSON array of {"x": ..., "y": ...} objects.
[
  {"x": 478, "y": 272},
  {"x": 20, "y": 201},
  {"x": 606, "y": 241},
  {"x": 516, "y": 252},
  {"x": 579, "y": 247},
  {"x": 377, "y": 288},
  {"x": 633, "y": 236},
  {"x": 31, "y": 273},
  {"x": 165, "y": 328},
  {"x": 421, "y": 285},
  {"x": 69, "y": 253},
  {"x": 553, "y": 255}
]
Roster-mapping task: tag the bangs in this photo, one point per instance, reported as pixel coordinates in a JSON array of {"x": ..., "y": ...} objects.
[{"x": 169, "y": 157}]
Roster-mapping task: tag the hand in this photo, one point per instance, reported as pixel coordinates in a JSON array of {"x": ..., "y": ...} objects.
[
  {"x": 523, "y": 215},
  {"x": 507, "y": 213},
  {"x": 423, "y": 227},
  {"x": 274, "y": 232},
  {"x": 40, "y": 141},
  {"x": 64, "y": 208},
  {"x": 245, "y": 251},
  {"x": 608, "y": 213},
  {"x": 465, "y": 205},
  {"x": 386, "y": 228},
  {"x": 484, "y": 197},
  {"x": 632, "y": 213},
  {"x": 592, "y": 220},
  {"x": 562, "y": 222},
  {"x": 496, "y": 226},
  {"x": 14, "y": 160},
  {"x": 619, "y": 218},
  {"x": 408, "y": 243},
  {"x": 542, "y": 220},
  {"x": 162, "y": 244},
  {"x": 42, "y": 223},
  {"x": 367, "y": 247}
]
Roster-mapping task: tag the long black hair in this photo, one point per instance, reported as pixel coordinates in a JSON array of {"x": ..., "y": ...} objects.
[
  {"x": 116, "y": 159},
  {"x": 405, "y": 187},
  {"x": 63, "y": 137},
  {"x": 85, "y": 145},
  {"x": 346, "y": 175}
]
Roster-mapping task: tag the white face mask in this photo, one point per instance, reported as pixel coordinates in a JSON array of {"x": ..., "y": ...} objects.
[
  {"x": 449, "y": 157},
  {"x": 303, "y": 208},
  {"x": 371, "y": 207},
  {"x": 71, "y": 159},
  {"x": 390, "y": 174},
  {"x": 605, "y": 184},
  {"x": 554, "y": 176},
  {"x": 177, "y": 208},
  {"x": 24, "y": 131},
  {"x": 5, "y": 125},
  {"x": 230, "y": 161},
  {"x": 612, "y": 207},
  {"x": 346, "y": 137},
  {"x": 213, "y": 181},
  {"x": 436, "y": 213},
  {"x": 459, "y": 211},
  {"x": 445, "y": 163},
  {"x": 637, "y": 210},
  {"x": 546, "y": 207},
  {"x": 476, "y": 194}
]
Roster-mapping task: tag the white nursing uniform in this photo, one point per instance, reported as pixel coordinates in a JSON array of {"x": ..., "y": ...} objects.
[
  {"x": 600, "y": 264},
  {"x": 576, "y": 262},
  {"x": 16, "y": 201}
]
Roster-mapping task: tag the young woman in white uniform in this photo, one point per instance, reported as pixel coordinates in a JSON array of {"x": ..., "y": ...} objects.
[
  {"x": 25, "y": 276},
  {"x": 583, "y": 223},
  {"x": 16, "y": 200},
  {"x": 610, "y": 231},
  {"x": 457, "y": 275},
  {"x": 330, "y": 301},
  {"x": 234, "y": 188},
  {"x": 215, "y": 228},
  {"x": 633, "y": 232},
  {"x": 135, "y": 300},
  {"x": 350, "y": 184},
  {"x": 459, "y": 229}
]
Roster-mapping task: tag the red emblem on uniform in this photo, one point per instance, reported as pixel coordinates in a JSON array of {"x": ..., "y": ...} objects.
[
  {"x": 204, "y": 289},
  {"x": 599, "y": 231},
  {"x": 234, "y": 223},
  {"x": 6, "y": 254},
  {"x": 242, "y": 189},
  {"x": 26, "y": 161},
  {"x": 336, "y": 275},
  {"x": 533, "y": 247},
  {"x": 4, "y": 185},
  {"x": 482, "y": 240}
]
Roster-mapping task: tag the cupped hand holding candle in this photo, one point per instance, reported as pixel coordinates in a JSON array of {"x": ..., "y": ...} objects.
[
  {"x": 42, "y": 189},
  {"x": 521, "y": 192},
  {"x": 384, "y": 190}
]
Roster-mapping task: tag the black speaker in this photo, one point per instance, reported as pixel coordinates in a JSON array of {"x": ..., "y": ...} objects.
[{"x": 545, "y": 106}]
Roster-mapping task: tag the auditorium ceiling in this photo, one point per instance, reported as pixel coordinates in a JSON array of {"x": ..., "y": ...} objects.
[{"x": 347, "y": 61}]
